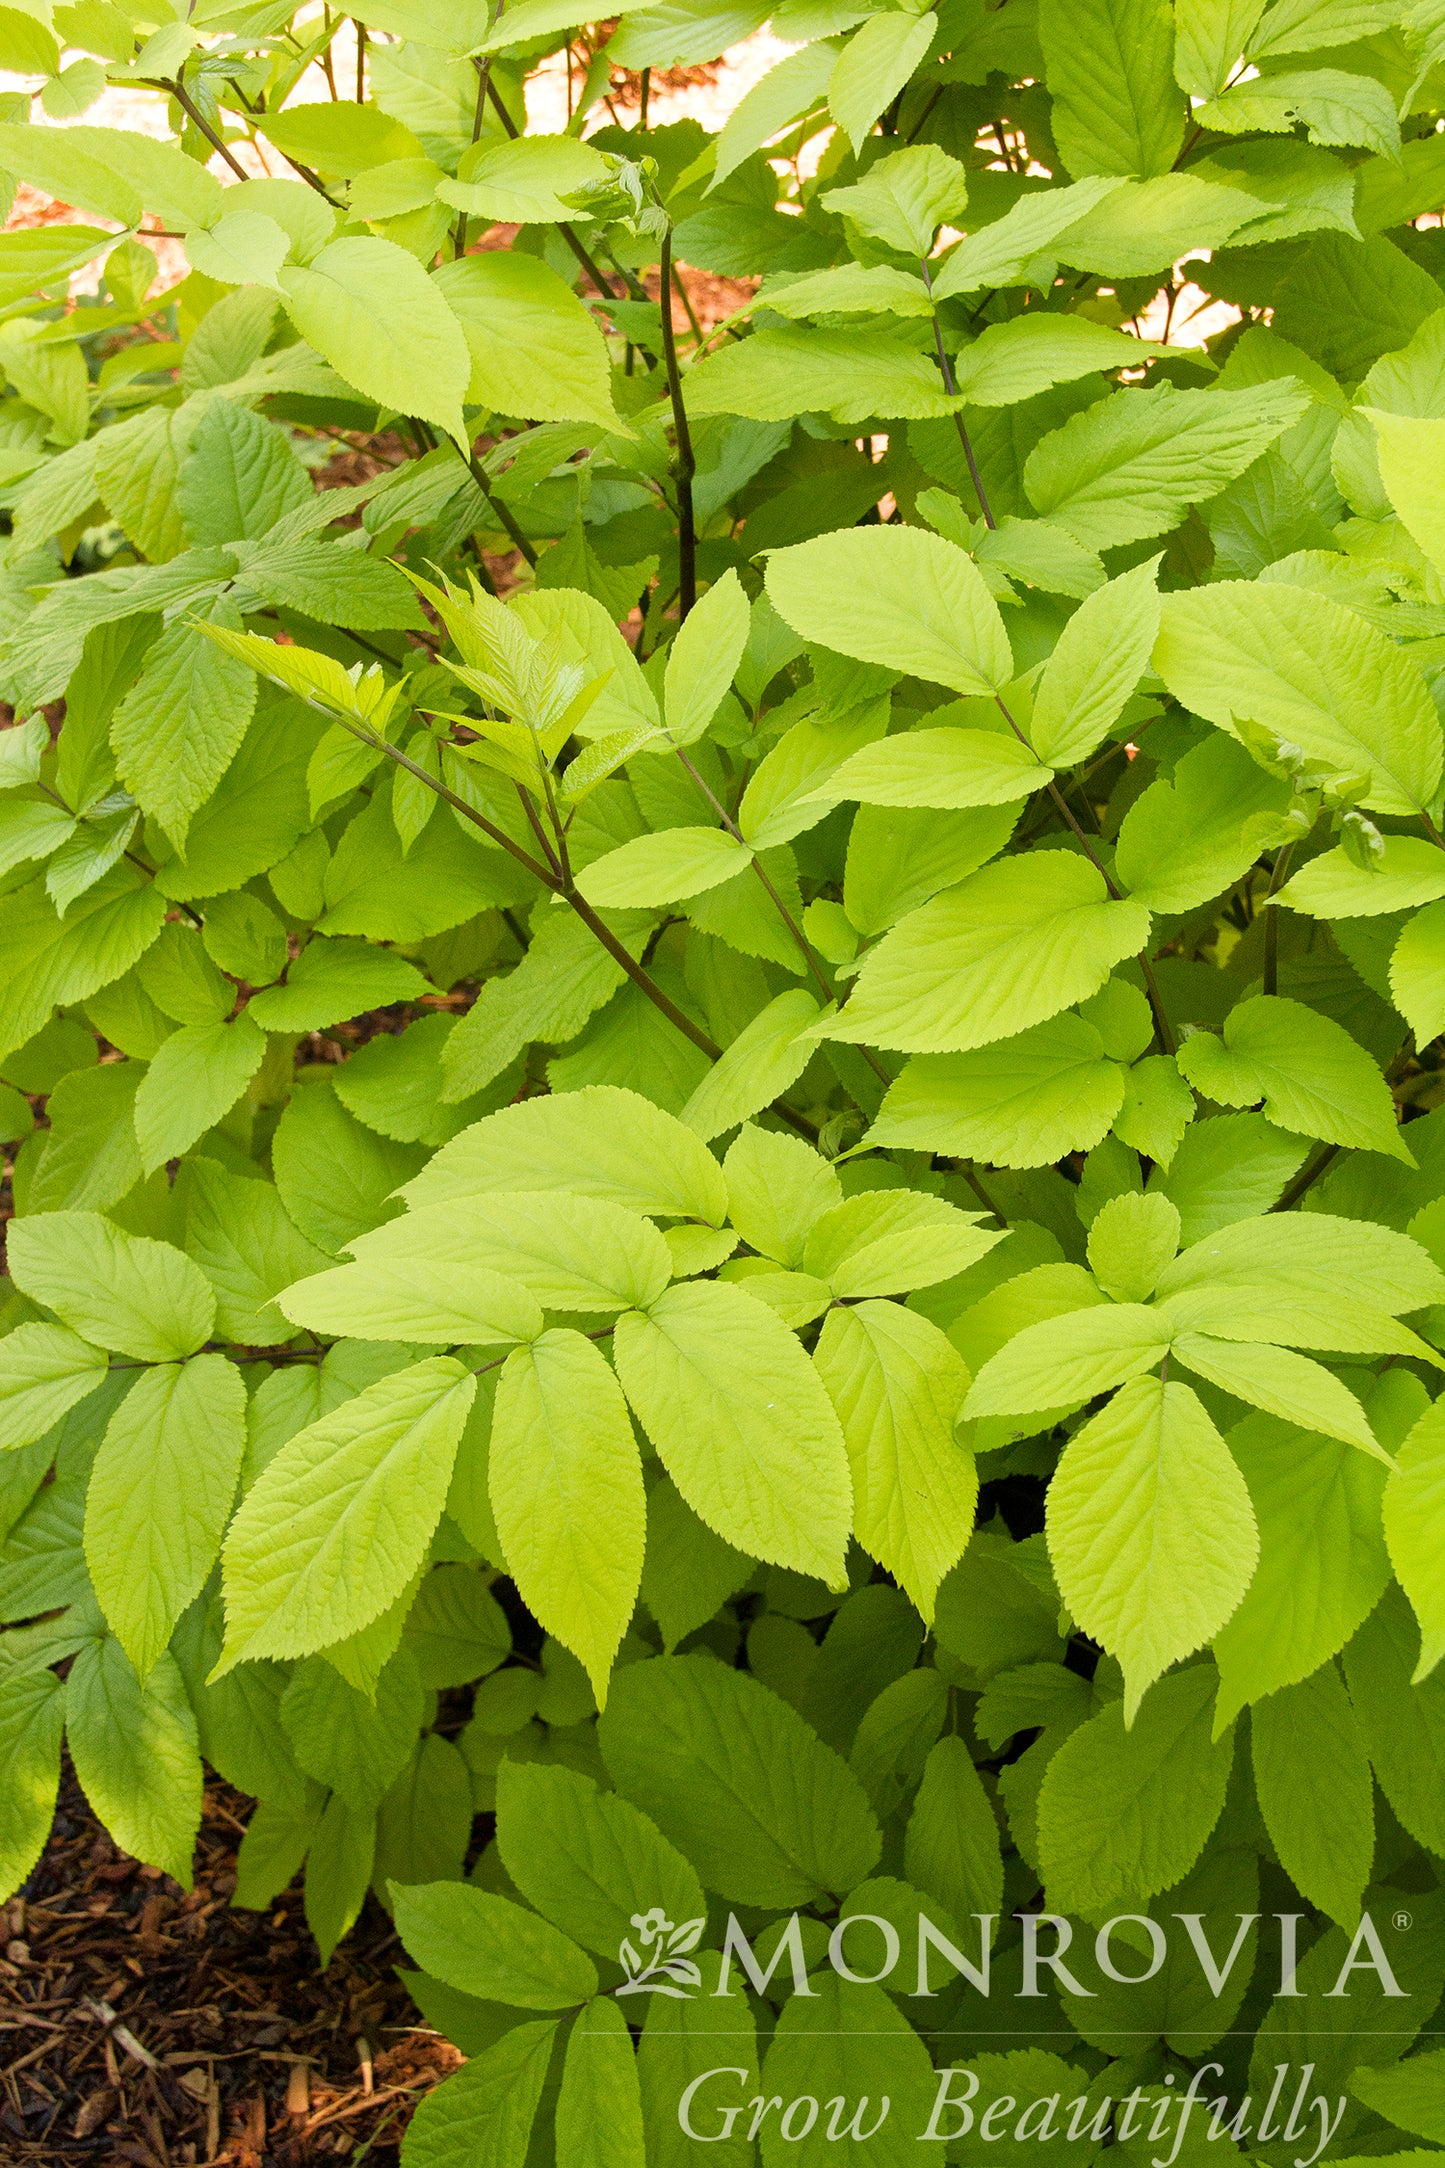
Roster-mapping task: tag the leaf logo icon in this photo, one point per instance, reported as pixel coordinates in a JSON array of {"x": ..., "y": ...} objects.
[{"x": 664, "y": 1966}]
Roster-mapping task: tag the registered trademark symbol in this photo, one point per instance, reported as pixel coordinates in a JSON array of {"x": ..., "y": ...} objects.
[{"x": 1403, "y": 1920}]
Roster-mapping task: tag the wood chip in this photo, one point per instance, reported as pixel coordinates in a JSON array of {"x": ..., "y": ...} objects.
[
  {"x": 158, "y": 2052},
  {"x": 94, "y": 2111}
]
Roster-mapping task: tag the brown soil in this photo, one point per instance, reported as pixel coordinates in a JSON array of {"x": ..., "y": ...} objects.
[{"x": 151, "y": 2027}]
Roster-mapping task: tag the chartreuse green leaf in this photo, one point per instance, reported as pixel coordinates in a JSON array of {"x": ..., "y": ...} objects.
[
  {"x": 1116, "y": 106},
  {"x": 1131, "y": 1241},
  {"x": 332, "y": 1531},
  {"x": 520, "y": 180},
  {"x": 1030, "y": 1297},
  {"x": 1067, "y": 1360},
  {"x": 600, "y": 1142},
  {"x": 1209, "y": 38},
  {"x": 126, "y": 1292},
  {"x": 339, "y": 1867},
  {"x": 688, "y": 1570},
  {"x": 47, "y": 1370},
  {"x": 239, "y": 477},
  {"x": 856, "y": 289},
  {"x": 456, "y": 1628},
  {"x": 1414, "y": 1516},
  {"x": 1409, "y": 449},
  {"x": 1410, "y": 872},
  {"x": 763, "y": 1062},
  {"x": 240, "y": 1234},
  {"x": 1409, "y": 2095},
  {"x": 885, "y": 1242},
  {"x": 30, "y": 830},
  {"x": 1335, "y": 107},
  {"x": 1310, "y": 1074},
  {"x": 586, "y": 1858},
  {"x": 1319, "y": 1257},
  {"x": 160, "y": 1496},
  {"x": 952, "y": 975},
  {"x": 311, "y": 676},
  {"x": 741, "y": 1422},
  {"x": 1125, "y": 1812},
  {"x": 790, "y": 87},
  {"x": 732, "y": 1775},
  {"x": 1403, "y": 1723},
  {"x": 1184, "y": 841},
  {"x": 1101, "y": 655},
  {"x": 703, "y": 660},
  {"x": 424, "y": 1827},
  {"x": 1011, "y": 362},
  {"x": 32, "y": 1718},
  {"x": 1283, "y": 1384},
  {"x": 1001, "y": 253},
  {"x": 566, "y": 1490},
  {"x": 1140, "y": 227},
  {"x": 484, "y": 2115},
  {"x": 873, "y": 67},
  {"x": 564, "y": 978},
  {"x": 599, "y": 2107},
  {"x": 21, "y": 755},
  {"x": 1417, "y": 973},
  {"x": 181, "y": 723},
  {"x": 334, "y": 979},
  {"x": 1322, "y": 1560},
  {"x": 788, "y": 792},
  {"x": 54, "y": 960},
  {"x": 777, "y": 1187},
  {"x": 1022, "y": 1102},
  {"x": 179, "y": 977},
  {"x": 383, "y": 325},
  {"x": 1300, "y": 1281},
  {"x": 135, "y": 1752},
  {"x": 1150, "y": 1527},
  {"x": 85, "y": 176},
  {"x": 850, "y": 2049},
  {"x": 194, "y": 1078},
  {"x": 1314, "y": 673},
  {"x": 488, "y": 1946},
  {"x": 571, "y": 1253},
  {"x": 1128, "y": 467},
  {"x": 135, "y": 168},
  {"x": 353, "y": 1741},
  {"x": 939, "y": 767},
  {"x": 849, "y": 375},
  {"x": 90, "y": 1157},
  {"x": 898, "y": 1388},
  {"x": 896, "y": 596},
  {"x": 533, "y": 347},
  {"x": 951, "y": 1847},
  {"x": 665, "y": 868},
  {"x": 395, "y": 1297},
  {"x": 1324, "y": 1832},
  {"x": 276, "y": 1843}
]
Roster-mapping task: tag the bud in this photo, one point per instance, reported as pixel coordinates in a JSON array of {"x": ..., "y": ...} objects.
[
  {"x": 1346, "y": 788},
  {"x": 839, "y": 1132},
  {"x": 1363, "y": 844},
  {"x": 1291, "y": 826},
  {"x": 627, "y": 195}
]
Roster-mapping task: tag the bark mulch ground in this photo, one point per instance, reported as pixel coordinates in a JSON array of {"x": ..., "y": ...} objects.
[{"x": 141, "y": 2024}]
